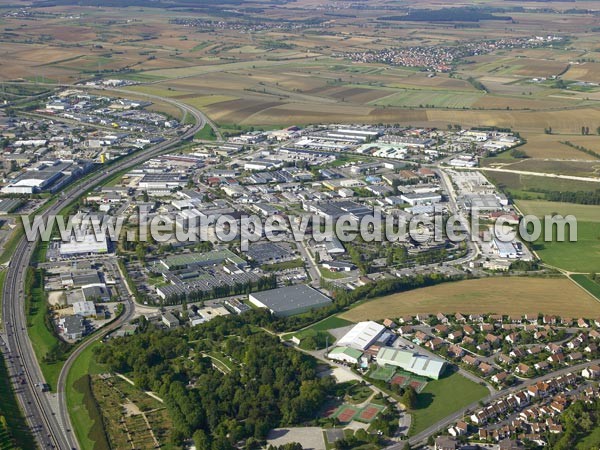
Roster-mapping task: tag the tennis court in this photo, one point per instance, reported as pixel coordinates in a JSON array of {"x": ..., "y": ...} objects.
[
  {"x": 369, "y": 412},
  {"x": 382, "y": 373}
]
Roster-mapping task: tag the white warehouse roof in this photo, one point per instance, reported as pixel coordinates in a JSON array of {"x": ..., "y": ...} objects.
[{"x": 362, "y": 335}]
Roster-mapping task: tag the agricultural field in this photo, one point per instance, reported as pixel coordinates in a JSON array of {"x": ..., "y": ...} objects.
[
  {"x": 588, "y": 284},
  {"x": 580, "y": 256},
  {"x": 541, "y": 208},
  {"x": 532, "y": 186},
  {"x": 514, "y": 295},
  {"x": 550, "y": 146},
  {"x": 588, "y": 169}
]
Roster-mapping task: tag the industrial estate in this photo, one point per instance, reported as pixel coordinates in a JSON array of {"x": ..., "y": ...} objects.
[{"x": 296, "y": 224}]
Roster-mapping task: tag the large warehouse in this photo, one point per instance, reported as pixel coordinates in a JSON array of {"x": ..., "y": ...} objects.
[
  {"x": 362, "y": 335},
  {"x": 290, "y": 300},
  {"x": 411, "y": 362}
]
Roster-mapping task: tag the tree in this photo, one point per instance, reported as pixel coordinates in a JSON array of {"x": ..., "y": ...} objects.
[
  {"x": 409, "y": 398},
  {"x": 201, "y": 440}
]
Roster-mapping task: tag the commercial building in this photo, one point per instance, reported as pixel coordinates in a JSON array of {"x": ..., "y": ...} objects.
[
  {"x": 345, "y": 355},
  {"x": 290, "y": 300},
  {"x": 361, "y": 336},
  {"x": 421, "y": 198},
  {"x": 186, "y": 260},
  {"x": 84, "y": 246},
  {"x": 84, "y": 309},
  {"x": 73, "y": 327},
  {"x": 411, "y": 362}
]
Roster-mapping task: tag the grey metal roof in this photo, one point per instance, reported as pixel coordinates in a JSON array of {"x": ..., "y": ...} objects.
[{"x": 290, "y": 298}]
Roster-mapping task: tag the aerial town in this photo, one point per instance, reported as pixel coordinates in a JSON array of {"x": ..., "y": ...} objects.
[{"x": 284, "y": 226}]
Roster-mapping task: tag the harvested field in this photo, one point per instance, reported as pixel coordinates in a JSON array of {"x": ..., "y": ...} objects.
[
  {"x": 561, "y": 167},
  {"x": 514, "y": 295},
  {"x": 517, "y": 182},
  {"x": 540, "y": 208},
  {"x": 549, "y": 146},
  {"x": 584, "y": 72}
]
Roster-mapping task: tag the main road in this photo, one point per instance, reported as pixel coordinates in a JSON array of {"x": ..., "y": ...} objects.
[{"x": 53, "y": 430}]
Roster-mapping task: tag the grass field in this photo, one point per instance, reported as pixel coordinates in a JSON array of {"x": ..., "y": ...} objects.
[
  {"x": 580, "y": 256},
  {"x": 514, "y": 295},
  {"x": 588, "y": 284},
  {"x": 441, "y": 398},
  {"x": 83, "y": 423},
  {"x": 331, "y": 275},
  {"x": 330, "y": 323},
  {"x": 206, "y": 134}
]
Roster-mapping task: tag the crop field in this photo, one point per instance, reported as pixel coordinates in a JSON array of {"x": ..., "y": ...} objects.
[
  {"x": 526, "y": 185},
  {"x": 549, "y": 146},
  {"x": 587, "y": 71},
  {"x": 513, "y": 295},
  {"x": 580, "y": 256},
  {"x": 541, "y": 208},
  {"x": 588, "y": 284},
  {"x": 574, "y": 168},
  {"x": 439, "y": 99}
]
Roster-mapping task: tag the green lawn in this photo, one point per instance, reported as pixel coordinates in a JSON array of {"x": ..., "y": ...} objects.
[
  {"x": 588, "y": 284},
  {"x": 442, "y": 397},
  {"x": 206, "y": 134},
  {"x": 11, "y": 244},
  {"x": 580, "y": 256},
  {"x": 16, "y": 434},
  {"x": 330, "y": 323},
  {"x": 276, "y": 267},
  {"x": 84, "y": 425},
  {"x": 326, "y": 273}
]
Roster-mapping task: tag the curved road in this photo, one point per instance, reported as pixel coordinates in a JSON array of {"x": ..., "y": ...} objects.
[{"x": 50, "y": 430}]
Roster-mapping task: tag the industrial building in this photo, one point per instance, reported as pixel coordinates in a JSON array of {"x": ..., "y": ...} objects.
[
  {"x": 345, "y": 355},
  {"x": 84, "y": 309},
  {"x": 361, "y": 336},
  {"x": 84, "y": 246},
  {"x": 186, "y": 260},
  {"x": 421, "y": 198},
  {"x": 290, "y": 300},
  {"x": 411, "y": 362}
]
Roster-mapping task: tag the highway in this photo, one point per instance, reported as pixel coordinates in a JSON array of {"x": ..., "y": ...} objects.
[{"x": 50, "y": 429}]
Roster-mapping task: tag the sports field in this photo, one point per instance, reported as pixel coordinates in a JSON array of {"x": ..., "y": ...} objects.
[
  {"x": 346, "y": 413},
  {"x": 441, "y": 398},
  {"x": 514, "y": 296}
]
